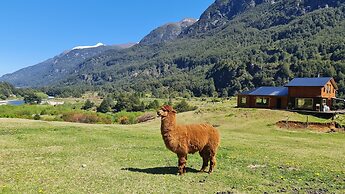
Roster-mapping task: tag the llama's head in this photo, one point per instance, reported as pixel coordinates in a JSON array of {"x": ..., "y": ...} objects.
[{"x": 165, "y": 111}]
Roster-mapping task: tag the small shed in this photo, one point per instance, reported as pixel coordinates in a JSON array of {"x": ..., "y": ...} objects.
[{"x": 264, "y": 97}]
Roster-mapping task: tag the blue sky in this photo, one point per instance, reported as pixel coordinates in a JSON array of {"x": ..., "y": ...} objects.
[{"x": 32, "y": 31}]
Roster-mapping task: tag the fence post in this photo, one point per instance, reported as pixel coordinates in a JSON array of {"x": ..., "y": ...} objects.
[
  {"x": 307, "y": 121},
  {"x": 287, "y": 122}
]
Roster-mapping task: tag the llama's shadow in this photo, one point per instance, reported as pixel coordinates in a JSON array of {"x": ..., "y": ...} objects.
[{"x": 160, "y": 170}]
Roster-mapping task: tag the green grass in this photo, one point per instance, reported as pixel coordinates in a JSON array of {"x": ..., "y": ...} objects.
[{"x": 255, "y": 156}]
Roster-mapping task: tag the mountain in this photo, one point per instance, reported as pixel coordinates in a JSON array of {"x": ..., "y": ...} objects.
[
  {"x": 57, "y": 68},
  {"x": 236, "y": 45},
  {"x": 167, "y": 32},
  {"x": 269, "y": 13}
]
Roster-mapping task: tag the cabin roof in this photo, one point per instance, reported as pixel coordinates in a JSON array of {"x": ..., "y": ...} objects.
[
  {"x": 311, "y": 82},
  {"x": 267, "y": 91}
]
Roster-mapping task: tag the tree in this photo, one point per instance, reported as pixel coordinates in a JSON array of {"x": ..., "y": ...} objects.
[
  {"x": 183, "y": 106},
  {"x": 224, "y": 93},
  {"x": 32, "y": 98},
  {"x": 153, "y": 105},
  {"x": 88, "y": 105},
  {"x": 105, "y": 106}
]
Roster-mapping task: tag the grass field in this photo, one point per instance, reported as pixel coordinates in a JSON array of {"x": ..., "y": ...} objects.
[{"x": 255, "y": 156}]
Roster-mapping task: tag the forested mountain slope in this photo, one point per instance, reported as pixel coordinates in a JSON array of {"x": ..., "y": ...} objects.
[
  {"x": 262, "y": 43},
  {"x": 57, "y": 68},
  {"x": 235, "y": 45}
]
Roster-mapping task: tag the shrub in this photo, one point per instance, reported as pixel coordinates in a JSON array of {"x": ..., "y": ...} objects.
[
  {"x": 43, "y": 112},
  {"x": 154, "y": 105},
  {"x": 37, "y": 117},
  {"x": 183, "y": 106},
  {"x": 131, "y": 116},
  {"x": 124, "y": 120},
  {"x": 88, "y": 105},
  {"x": 85, "y": 118}
]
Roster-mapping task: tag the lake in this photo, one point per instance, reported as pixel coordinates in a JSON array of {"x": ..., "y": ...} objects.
[{"x": 16, "y": 102}]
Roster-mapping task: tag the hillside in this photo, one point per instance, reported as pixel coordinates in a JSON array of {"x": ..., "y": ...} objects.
[
  {"x": 234, "y": 46},
  {"x": 57, "y": 68},
  {"x": 265, "y": 44}
]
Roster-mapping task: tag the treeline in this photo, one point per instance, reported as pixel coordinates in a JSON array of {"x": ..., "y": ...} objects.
[
  {"x": 9, "y": 91},
  {"x": 6, "y": 90},
  {"x": 133, "y": 103}
]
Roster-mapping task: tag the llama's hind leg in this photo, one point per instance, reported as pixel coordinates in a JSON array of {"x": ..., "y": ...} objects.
[
  {"x": 182, "y": 160},
  {"x": 212, "y": 163},
  {"x": 205, "y": 158}
]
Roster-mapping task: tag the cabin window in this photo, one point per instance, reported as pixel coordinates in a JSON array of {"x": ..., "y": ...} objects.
[
  {"x": 304, "y": 103},
  {"x": 243, "y": 100},
  {"x": 262, "y": 101}
]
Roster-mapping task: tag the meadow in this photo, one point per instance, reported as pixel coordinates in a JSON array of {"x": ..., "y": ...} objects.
[{"x": 255, "y": 156}]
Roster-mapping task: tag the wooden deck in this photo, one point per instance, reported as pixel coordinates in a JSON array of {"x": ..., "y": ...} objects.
[
  {"x": 319, "y": 112},
  {"x": 328, "y": 114}
]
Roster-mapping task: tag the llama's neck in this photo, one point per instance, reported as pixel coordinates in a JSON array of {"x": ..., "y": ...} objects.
[
  {"x": 169, "y": 132},
  {"x": 168, "y": 124}
]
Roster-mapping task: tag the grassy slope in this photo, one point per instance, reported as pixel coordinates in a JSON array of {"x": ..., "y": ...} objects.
[{"x": 255, "y": 156}]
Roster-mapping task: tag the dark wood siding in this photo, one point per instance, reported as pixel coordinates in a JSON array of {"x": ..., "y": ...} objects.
[
  {"x": 251, "y": 102},
  {"x": 305, "y": 92}
]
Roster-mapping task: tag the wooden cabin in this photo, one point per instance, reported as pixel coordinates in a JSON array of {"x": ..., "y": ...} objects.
[
  {"x": 314, "y": 94},
  {"x": 311, "y": 93},
  {"x": 264, "y": 97}
]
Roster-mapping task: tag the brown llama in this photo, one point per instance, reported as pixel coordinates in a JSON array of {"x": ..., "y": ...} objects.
[{"x": 188, "y": 139}]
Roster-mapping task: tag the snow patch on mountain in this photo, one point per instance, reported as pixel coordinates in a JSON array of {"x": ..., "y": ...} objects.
[{"x": 86, "y": 47}]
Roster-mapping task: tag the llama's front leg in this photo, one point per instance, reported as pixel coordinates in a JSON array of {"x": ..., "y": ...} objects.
[{"x": 182, "y": 160}]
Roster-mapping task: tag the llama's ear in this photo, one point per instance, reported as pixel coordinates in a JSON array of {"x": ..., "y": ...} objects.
[{"x": 174, "y": 111}]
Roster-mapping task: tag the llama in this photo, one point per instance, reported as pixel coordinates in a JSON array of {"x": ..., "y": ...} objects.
[{"x": 188, "y": 139}]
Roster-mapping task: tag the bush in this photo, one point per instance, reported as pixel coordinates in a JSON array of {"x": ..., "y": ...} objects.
[
  {"x": 154, "y": 105},
  {"x": 183, "y": 106},
  {"x": 85, "y": 118},
  {"x": 88, "y": 105},
  {"x": 131, "y": 116},
  {"x": 124, "y": 120},
  {"x": 37, "y": 117}
]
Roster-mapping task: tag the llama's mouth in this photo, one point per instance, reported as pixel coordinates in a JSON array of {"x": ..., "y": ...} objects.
[{"x": 160, "y": 115}]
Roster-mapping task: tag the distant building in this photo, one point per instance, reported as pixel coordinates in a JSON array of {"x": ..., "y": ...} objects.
[
  {"x": 264, "y": 97},
  {"x": 315, "y": 94},
  {"x": 52, "y": 103}
]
